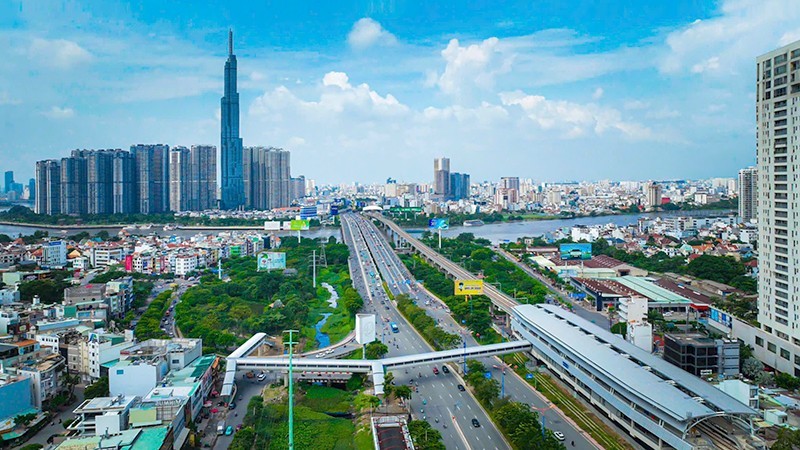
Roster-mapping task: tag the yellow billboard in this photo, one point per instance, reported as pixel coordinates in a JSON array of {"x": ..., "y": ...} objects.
[{"x": 469, "y": 287}]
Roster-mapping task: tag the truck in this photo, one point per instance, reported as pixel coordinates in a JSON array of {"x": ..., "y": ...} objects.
[
  {"x": 394, "y": 327},
  {"x": 221, "y": 428}
]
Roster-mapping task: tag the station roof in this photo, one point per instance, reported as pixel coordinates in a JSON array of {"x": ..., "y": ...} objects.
[
  {"x": 651, "y": 290},
  {"x": 643, "y": 374}
]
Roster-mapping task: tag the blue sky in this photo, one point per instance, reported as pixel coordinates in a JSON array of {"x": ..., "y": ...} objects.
[{"x": 362, "y": 91}]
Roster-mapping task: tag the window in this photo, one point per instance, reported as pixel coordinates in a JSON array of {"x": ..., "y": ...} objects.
[
  {"x": 771, "y": 347},
  {"x": 785, "y": 354},
  {"x": 759, "y": 341},
  {"x": 120, "y": 371}
]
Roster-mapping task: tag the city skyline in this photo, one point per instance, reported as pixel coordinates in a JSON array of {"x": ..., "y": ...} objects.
[{"x": 547, "y": 93}]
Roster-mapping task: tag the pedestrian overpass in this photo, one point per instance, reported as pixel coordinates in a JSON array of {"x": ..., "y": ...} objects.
[{"x": 240, "y": 360}]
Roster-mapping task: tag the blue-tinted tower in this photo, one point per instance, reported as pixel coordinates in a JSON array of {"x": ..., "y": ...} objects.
[{"x": 232, "y": 190}]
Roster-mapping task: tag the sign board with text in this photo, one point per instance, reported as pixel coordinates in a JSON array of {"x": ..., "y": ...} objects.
[
  {"x": 271, "y": 260},
  {"x": 576, "y": 251},
  {"x": 468, "y": 287},
  {"x": 298, "y": 225},
  {"x": 439, "y": 224}
]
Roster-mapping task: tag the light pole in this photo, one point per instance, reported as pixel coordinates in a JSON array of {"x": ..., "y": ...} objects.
[{"x": 291, "y": 386}]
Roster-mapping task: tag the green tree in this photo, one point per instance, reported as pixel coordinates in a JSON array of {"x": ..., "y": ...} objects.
[
  {"x": 97, "y": 389},
  {"x": 424, "y": 436},
  {"x": 376, "y": 350},
  {"x": 787, "y": 440},
  {"x": 24, "y": 419},
  {"x": 403, "y": 392}
]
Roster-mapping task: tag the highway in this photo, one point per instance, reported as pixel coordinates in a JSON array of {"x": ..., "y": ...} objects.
[
  {"x": 515, "y": 387},
  {"x": 437, "y": 396}
]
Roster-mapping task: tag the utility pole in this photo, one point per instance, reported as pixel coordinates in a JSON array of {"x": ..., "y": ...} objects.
[
  {"x": 291, "y": 344},
  {"x": 314, "y": 267}
]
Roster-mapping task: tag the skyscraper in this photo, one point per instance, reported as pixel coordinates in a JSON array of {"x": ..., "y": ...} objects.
[
  {"x": 125, "y": 186},
  {"x": 654, "y": 192},
  {"x": 32, "y": 189},
  {"x": 748, "y": 192},
  {"x": 74, "y": 185},
  {"x": 203, "y": 178},
  {"x": 48, "y": 187},
  {"x": 99, "y": 180},
  {"x": 152, "y": 165},
  {"x": 441, "y": 177},
  {"x": 9, "y": 179},
  {"x": 267, "y": 178},
  {"x": 777, "y": 97},
  {"x": 179, "y": 179},
  {"x": 232, "y": 191},
  {"x": 459, "y": 185}
]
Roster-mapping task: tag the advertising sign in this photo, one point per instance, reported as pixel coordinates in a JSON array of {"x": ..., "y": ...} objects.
[
  {"x": 334, "y": 210},
  {"x": 720, "y": 317},
  {"x": 439, "y": 224},
  {"x": 576, "y": 251},
  {"x": 468, "y": 287},
  {"x": 271, "y": 260},
  {"x": 129, "y": 263},
  {"x": 298, "y": 225},
  {"x": 365, "y": 328}
]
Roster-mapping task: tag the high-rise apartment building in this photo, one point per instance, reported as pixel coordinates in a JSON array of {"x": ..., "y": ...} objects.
[
  {"x": 152, "y": 165},
  {"x": 74, "y": 183},
  {"x": 748, "y": 193},
  {"x": 125, "y": 184},
  {"x": 777, "y": 147},
  {"x": 441, "y": 177},
  {"x": 203, "y": 180},
  {"x": 99, "y": 179},
  {"x": 32, "y": 189},
  {"x": 48, "y": 187},
  {"x": 179, "y": 179},
  {"x": 654, "y": 192},
  {"x": 231, "y": 162},
  {"x": 267, "y": 179},
  {"x": 298, "y": 188},
  {"x": 459, "y": 186}
]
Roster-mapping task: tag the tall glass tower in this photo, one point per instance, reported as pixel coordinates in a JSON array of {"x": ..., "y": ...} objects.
[{"x": 232, "y": 190}]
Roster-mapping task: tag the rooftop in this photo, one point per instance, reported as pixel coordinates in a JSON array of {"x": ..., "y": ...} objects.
[
  {"x": 652, "y": 291},
  {"x": 664, "y": 386}
]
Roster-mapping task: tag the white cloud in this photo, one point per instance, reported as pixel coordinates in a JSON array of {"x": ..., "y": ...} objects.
[
  {"x": 58, "y": 53},
  {"x": 472, "y": 66},
  {"x": 573, "y": 119},
  {"x": 598, "y": 94},
  {"x": 367, "y": 32},
  {"x": 57, "y": 112},
  {"x": 257, "y": 76},
  {"x": 729, "y": 42},
  {"x": 635, "y": 105}
]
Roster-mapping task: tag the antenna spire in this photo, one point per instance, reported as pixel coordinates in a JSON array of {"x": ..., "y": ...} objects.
[{"x": 230, "y": 42}]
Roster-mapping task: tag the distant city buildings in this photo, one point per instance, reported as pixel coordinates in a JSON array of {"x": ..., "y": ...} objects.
[
  {"x": 154, "y": 179},
  {"x": 748, "y": 193},
  {"x": 654, "y": 195}
]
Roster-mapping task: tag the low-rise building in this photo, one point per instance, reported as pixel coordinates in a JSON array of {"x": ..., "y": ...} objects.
[{"x": 701, "y": 355}]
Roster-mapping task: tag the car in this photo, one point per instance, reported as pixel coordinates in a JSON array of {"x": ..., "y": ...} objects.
[
  {"x": 435, "y": 370},
  {"x": 461, "y": 388},
  {"x": 445, "y": 369},
  {"x": 558, "y": 435},
  {"x": 229, "y": 431},
  {"x": 262, "y": 376},
  {"x": 475, "y": 423},
  {"x": 232, "y": 405}
]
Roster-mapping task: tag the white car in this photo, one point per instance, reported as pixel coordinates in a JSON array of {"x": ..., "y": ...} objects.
[{"x": 558, "y": 435}]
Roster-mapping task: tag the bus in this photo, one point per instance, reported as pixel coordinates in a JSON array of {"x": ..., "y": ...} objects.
[{"x": 394, "y": 327}]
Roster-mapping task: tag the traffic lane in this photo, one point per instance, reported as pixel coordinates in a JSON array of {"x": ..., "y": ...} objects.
[{"x": 246, "y": 389}]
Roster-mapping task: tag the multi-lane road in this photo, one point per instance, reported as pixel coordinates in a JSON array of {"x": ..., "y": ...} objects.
[
  {"x": 437, "y": 398},
  {"x": 399, "y": 280}
]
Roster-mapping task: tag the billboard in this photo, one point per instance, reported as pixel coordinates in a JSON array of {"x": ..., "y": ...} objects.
[
  {"x": 129, "y": 263},
  {"x": 439, "y": 224},
  {"x": 405, "y": 209},
  {"x": 468, "y": 287},
  {"x": 334, "y": 210},
  {"x": 298, "y": 225},
  {"x": 271, "y": 260},
  {"x": 721, "y": 317},
  {"x": 365, "y": 328},
  {"x": 576, "y": 251}
]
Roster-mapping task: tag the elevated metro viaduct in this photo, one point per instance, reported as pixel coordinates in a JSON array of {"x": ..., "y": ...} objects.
[
  {"x": 239, "y": 360},
  {"x": 452, "y": 270}
]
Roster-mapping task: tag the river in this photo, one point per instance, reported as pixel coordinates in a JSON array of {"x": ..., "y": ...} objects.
[{"x": 511, "y": 231}]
